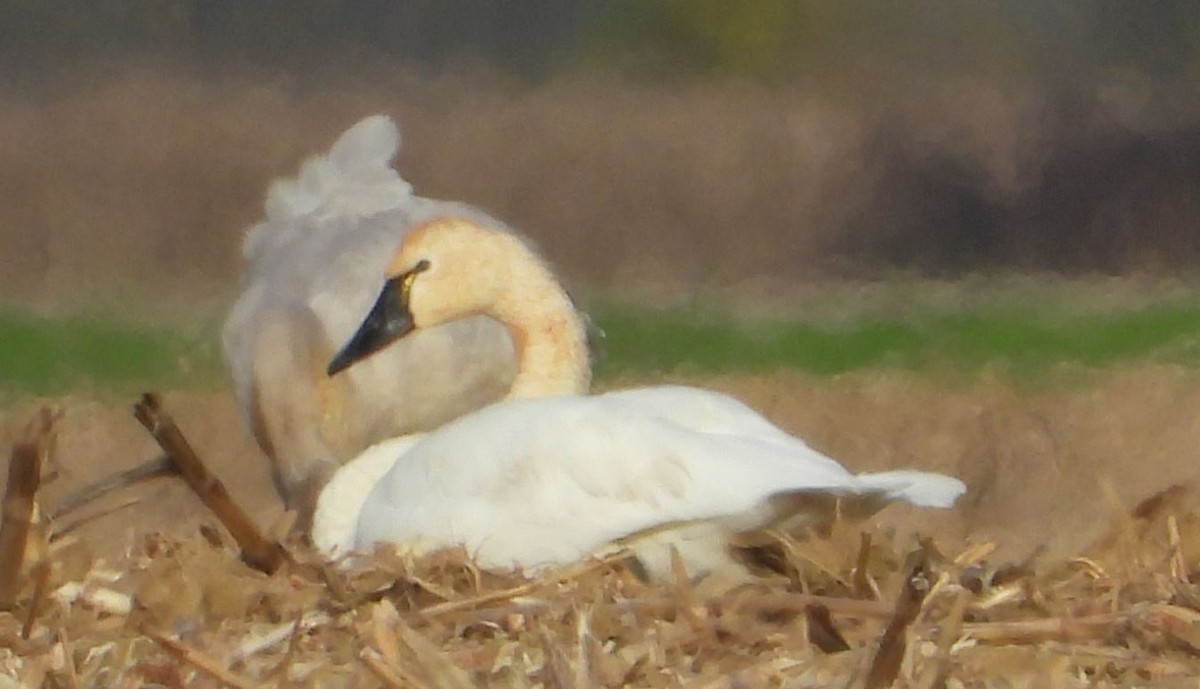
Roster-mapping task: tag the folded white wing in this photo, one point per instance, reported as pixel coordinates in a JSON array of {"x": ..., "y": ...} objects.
[{"x": 542, "y": 482}]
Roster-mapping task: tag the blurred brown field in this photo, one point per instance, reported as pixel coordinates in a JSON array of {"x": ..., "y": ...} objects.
[{"x": 145, "y": 178}]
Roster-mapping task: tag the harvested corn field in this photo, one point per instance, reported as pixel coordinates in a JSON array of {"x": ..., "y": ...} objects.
[
  {"x": 148, "y": 589},
  {"x": 957, "y": 239},
  {"x": 830, "y": 612}
]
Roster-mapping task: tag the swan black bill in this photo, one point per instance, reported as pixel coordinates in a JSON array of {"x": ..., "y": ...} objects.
[{"x": 388, "y": 321}]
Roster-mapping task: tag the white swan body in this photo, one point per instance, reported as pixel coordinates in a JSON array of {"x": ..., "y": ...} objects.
[
  {"x": 335, "y": 523},
  {"x": 551, "y": 475},
  {"x": 312, "y": 269},
  {"x": 540, "y": 483}
]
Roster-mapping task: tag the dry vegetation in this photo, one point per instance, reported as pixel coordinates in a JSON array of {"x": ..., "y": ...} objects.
[
  {"x": 840, "y": 611},
  {"x": 152, "y": 593},
  {"x": 145, "y": 178}
]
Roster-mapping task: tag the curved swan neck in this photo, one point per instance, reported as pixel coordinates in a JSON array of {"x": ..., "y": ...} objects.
[{"x": 548, "y": 334}]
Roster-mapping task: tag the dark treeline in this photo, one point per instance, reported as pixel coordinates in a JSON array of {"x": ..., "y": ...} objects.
[
  {"x": 289, "y": 35},
  {"x": 781, "y": 39}
]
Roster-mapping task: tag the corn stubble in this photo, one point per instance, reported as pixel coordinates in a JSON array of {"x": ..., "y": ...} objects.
[
  {"x": 855, "y": 607},
  {"x": 188, "y": 611}
]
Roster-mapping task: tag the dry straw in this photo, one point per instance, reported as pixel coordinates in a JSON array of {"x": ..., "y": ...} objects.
[{"x": 845, "y": 609}]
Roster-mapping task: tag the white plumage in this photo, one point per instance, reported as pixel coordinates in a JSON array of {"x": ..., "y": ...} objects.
[
  {"x": 355, "y": 179},
  {"x": 335, "y": 524},
  {"x": 542, "y": 482},
  {"x": 312, "y": 269}
]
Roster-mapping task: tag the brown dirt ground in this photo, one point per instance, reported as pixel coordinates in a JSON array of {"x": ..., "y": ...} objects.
[{"x": 1046, "y": 466}]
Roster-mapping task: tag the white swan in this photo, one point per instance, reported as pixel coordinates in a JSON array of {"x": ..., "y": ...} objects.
[
  {"x": 312, "y": 268},
  {"x": 541, "y": 482}
]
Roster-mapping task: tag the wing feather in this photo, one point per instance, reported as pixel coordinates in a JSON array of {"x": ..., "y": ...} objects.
[{"x": 538, "y": 482}]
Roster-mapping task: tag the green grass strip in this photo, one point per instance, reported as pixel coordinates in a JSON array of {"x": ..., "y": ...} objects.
[
  {"x": 50, "y": 355},
  {"x": 642, "y": 341}
]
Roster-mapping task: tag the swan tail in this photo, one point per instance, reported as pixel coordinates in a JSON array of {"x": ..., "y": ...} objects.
[{"x": 920, "y": 488}]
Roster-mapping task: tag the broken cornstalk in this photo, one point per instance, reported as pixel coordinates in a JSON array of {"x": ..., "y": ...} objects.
[
  {"x": 257, "y": 551},
  {"x": 154, "y": 468},
  {"x": 885, "y": 666},
  {"x": 20, "y": 502}
]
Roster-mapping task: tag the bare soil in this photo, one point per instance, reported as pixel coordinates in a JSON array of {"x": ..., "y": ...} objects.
[{"x": 1046, "y": 467}]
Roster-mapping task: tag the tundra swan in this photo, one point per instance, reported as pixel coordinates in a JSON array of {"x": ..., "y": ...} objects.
[
  {"x": 312, "y": 269},
  {"x": 551, "y": 475}
]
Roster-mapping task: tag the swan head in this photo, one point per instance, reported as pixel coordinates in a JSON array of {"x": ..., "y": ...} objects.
[{"x": 445, "y": 269}]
